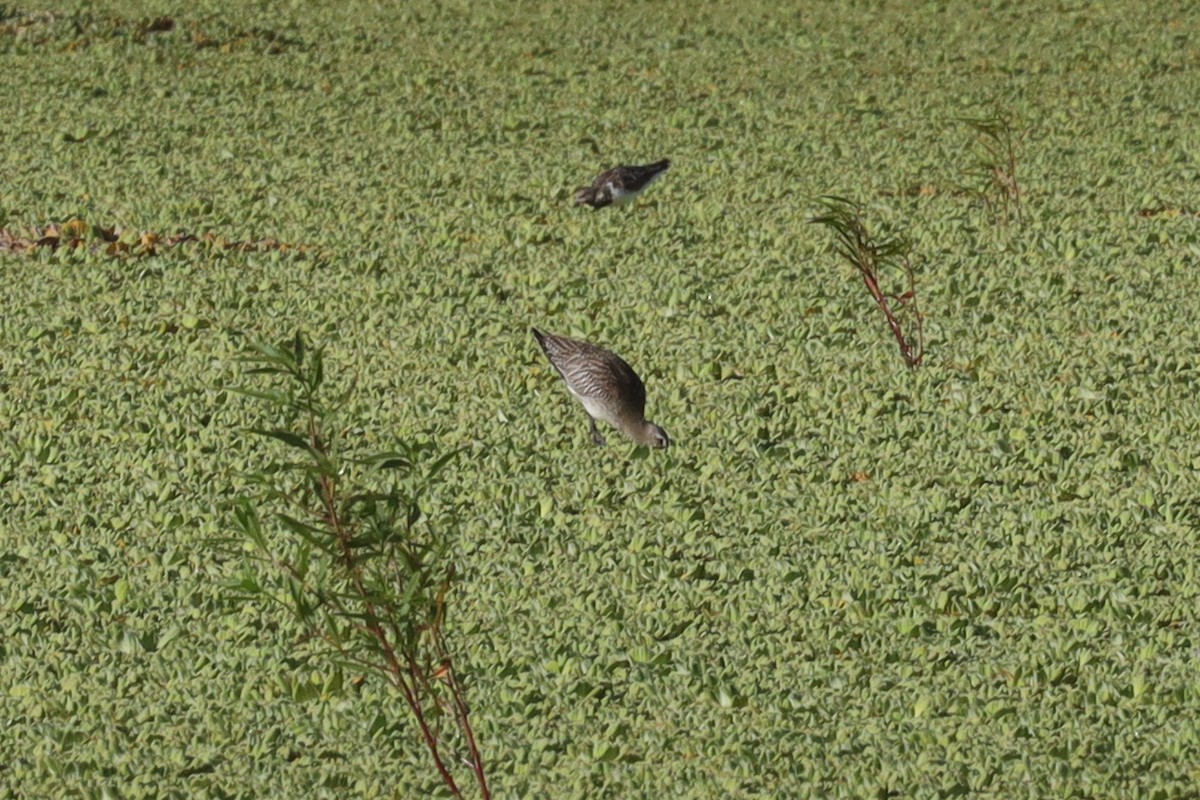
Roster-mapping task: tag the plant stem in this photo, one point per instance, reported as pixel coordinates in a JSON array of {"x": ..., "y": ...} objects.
[
  {"x": 333, "y": 520},
  {"x": 377, "y": 607},
  {"x": 460, "y": 705},
  {"x": 906, "y": 349}
]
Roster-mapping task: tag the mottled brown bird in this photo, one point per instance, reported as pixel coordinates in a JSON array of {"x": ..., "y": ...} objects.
[
  {"x": 608, "y": 387},
  {"x": 620, "y": 184}
]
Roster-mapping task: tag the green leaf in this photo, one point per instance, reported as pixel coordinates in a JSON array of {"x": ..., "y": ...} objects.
[
  {"x": 287, "y": 437},
  {"x": 435, "y": 469},
  {"x": 318, "y": 537},
  {"x": 272, "y": 396}
]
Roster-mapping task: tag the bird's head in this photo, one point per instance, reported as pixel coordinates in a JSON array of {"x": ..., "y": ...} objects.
[{"x": 654, "y": 436}]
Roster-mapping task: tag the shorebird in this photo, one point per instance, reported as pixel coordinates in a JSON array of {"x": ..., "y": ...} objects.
[
  {"x": 620, "y": 184},
  {"x": 608, "y": 387}
]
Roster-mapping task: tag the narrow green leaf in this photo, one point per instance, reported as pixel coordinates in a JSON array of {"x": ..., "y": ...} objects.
[
  {"x": 318, "y": 370},
  {"x": 271, "y": 353},
  {"x": 270, "y": 395},
  {"x": 249, "y": 523},
  {"x": 317, "y": 537},
  {"x": 437, "y": 466},
  {"x": 287, "y": 437}
]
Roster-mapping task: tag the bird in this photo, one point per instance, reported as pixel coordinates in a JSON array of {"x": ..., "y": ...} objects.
[
  {"x": 620, "y": 184},
  {"x": 607, "y": 386}
]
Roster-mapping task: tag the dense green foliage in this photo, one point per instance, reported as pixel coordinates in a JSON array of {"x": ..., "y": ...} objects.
[{"x": 846, "y": 578}]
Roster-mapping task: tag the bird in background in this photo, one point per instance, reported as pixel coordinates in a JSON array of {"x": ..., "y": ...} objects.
[
  {"x": 620, "y": 185},
  {"x": 607, "y": 387}
]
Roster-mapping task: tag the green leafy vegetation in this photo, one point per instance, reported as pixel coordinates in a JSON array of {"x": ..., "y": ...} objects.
[
  {"x": 871, "y": 256},
  {"x": 359, "y": 571},
  {"x": 994, "y": 169},
  {"x": 846, "y": 578}
]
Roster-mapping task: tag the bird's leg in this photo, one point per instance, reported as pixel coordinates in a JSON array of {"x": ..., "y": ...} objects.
[{"x": 596, "y": 437}]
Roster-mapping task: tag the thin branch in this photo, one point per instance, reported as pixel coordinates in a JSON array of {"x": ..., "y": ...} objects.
[
  {"x": 869, "y": 257},
  {"x": 329, "y": 501},
  {"x": 394, "y": 631},
  {"x": 997, "y": 140}
]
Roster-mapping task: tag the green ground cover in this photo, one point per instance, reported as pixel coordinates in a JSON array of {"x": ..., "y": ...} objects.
[{"x": 980, "y": 577}]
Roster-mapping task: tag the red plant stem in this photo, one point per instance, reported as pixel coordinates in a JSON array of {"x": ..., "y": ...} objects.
[
  {"x": 460, "y": 705},
  {"x": 430, "y": 739},
  {"x": 329, "y": 500},
  {"x": 873, "y": 287},
  {"x": 1012, "y": 176},
  {"x": 476, "y": 758}
]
